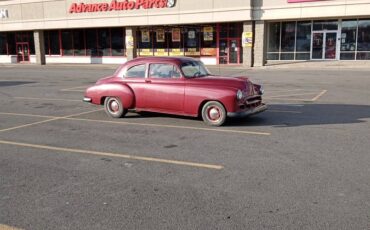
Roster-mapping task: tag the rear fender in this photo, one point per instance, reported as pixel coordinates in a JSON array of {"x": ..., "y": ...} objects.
[{"x": 98, "y": 92}]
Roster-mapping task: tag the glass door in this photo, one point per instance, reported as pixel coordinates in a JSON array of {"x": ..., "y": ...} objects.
[
  {"x": 223, "y": 51},
  {"x": 229, "y": 51},
  {"x": 324, "y": 45},
  {"x": 317, "y": 45},
  {"x": 23, "y": 54},
  {"x": 233, "y": 51},
  {"x": 330, "y": 45}
]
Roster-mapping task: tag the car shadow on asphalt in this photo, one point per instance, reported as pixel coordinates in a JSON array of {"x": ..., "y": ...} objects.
[{"x": 309, "y": 114}]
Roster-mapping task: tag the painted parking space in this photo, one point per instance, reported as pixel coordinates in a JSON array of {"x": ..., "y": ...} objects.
[{"x": 297, "y": 95}]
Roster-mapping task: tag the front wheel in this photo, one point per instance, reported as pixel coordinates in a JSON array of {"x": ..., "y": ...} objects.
[
  {"x": 214, "y": 113},
  {"x": 114, "y": 107}
]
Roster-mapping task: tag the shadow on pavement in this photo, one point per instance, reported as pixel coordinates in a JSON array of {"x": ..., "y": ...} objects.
[{"x": 309, "y": 114}]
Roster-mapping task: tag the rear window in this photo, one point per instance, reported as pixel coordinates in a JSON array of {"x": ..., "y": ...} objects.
[{"x": 137, "y": 71}]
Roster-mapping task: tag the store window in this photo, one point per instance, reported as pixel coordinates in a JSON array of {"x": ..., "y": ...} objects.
[
  {"x": 273, "y": 41},
  {"x": 3, "y": 44},
  {"x": 67, "y": 42},
  {"x": 176, "y": 42},
  {"x": 161, "y": 39},
  {"x": 208, "y": 41},
  {"x": 118, "y": 41},
  {"x": 348, "y": 40},
  {"x": 287, "y": 40},
  {"x": 145, "y": 38},
  {"x": 54, "y": 42},
  {"x": 363, "y": 42},
  {"x": 325, "y": 25},
  {"x": 11, "y": 43},
  {"x": 303, "y": 40},
  {"x": 91, "y": 44},
  {"x": 79, "y": 43},
  {"x": 104, "y": 42},
  {"x": 192, "y": 41}
]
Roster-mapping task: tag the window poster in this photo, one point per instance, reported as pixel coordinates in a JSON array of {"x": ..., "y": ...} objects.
[
  {"x": 176, "y": 34},
  {"x": 160, "y": 35},
  {"x": 208, "y": 33},
  {"x": 191, "y": 34},
  {"x": 145, "y": 37}
]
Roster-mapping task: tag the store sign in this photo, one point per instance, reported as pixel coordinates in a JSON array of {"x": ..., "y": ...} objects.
[
  {"x": 4, "y": 13},
  {"x": 160, "y": 52},
  {"x": 120, "y": 5},
  {"x": 295, "y": 1},
  {"x": 145, "y": 52},
  {"x": 176, "y": 52}
]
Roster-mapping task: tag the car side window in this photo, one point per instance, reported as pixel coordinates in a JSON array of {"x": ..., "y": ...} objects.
[
  {"x": 163, "y": 71},
  {"x": 137, "y": 71}
]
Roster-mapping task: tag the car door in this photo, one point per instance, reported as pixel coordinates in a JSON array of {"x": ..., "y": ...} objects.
[{"x": 165, "y": 88}]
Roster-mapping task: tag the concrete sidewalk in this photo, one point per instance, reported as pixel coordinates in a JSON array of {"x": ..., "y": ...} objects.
[{"x": 269, "y": 65}]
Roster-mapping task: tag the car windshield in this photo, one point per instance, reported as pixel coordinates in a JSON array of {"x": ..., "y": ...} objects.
[{"x": 194, "y": 69}]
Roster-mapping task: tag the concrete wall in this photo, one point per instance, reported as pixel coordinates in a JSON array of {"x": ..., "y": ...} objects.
[
  {"x": 281, "y": 9},
  {"x": 46, "y": 14}
]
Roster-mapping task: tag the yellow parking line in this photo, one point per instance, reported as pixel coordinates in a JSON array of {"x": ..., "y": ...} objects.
[
  {"x": 46, "y": 99},
  {"x": 27, "y": 115},
  {"x": 108, "y": 154},
  {"x": 45, "y": 121},
  {"x": 319, "y": 95},
  {"x": 7, "y": 227},
  {"x": 291, "y": 95}
]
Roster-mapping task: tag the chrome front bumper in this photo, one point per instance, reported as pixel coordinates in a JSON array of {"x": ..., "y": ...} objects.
[
  {"x": 87, "y": 99},
  {"x": 248, "y": 112}
]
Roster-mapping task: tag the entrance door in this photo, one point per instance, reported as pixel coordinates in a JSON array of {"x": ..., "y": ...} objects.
[
  {"x": 234, "y": 51},
  {"x": 229, "y": 51},
  {"x": 324, "y": 45},
  {"x": 23, "y": 54}
]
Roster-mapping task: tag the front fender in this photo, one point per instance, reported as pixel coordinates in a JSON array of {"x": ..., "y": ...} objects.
[{"x": 98, "y": 92}]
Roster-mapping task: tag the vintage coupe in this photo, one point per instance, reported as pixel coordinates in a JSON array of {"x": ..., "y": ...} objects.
[{"x": 180, "y": 86}]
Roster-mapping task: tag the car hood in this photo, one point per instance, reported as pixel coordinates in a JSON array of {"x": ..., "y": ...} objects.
[{"x": 233, "y": 82}]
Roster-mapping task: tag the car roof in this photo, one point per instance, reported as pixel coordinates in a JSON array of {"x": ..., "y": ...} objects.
[{"x": 177, "y": 60}]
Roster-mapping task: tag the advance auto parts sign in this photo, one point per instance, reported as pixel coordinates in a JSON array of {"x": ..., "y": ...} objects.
[
  {"x": 295, "y": 1},
  {"x": 120, "y": 5}
]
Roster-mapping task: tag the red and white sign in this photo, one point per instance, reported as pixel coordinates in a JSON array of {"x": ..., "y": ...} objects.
[{"x": 120, "y": 5}]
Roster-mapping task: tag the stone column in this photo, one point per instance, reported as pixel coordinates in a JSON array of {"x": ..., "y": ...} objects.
[
  {"x": 38, "y": 37},
  {"x": 259, "y": 44},
  {"x": 248, "y": 51},
  {"x": 130, "y": 51}
]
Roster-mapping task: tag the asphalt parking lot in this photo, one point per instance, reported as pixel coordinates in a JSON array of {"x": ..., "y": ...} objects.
[{"x": 303, "y": 164}]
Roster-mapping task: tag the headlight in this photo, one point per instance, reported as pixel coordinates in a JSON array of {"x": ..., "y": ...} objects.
[
  {"x": 239, "y": 95},
  {"x": 262, "y": 90}
]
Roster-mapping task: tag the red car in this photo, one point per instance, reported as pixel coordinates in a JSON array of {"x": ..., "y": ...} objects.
[{"x": 181, "y": 86}]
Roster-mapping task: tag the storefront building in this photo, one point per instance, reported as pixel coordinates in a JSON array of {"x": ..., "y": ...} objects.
[{"x": 238, "y": 32}]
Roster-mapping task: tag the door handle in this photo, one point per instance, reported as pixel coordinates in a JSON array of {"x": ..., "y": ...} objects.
[{"x": 148, "y": 81}]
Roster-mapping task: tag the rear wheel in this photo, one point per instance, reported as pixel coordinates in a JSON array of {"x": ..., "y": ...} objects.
[
  {"x": 214, "y": 113},
  {"x": 113, "y": 107}
]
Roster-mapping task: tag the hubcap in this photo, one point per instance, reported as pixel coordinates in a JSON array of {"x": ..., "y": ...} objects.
[
  {"x": 214, "y": 113},
  {"x": 114, "y": 106}
]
